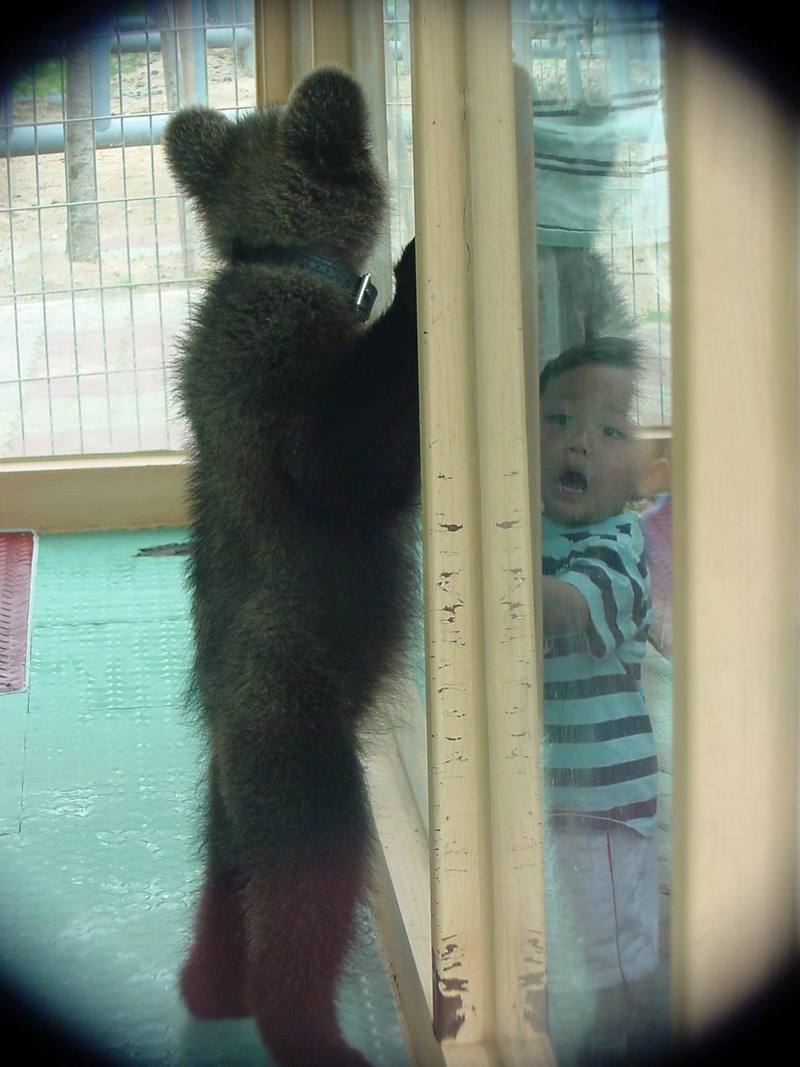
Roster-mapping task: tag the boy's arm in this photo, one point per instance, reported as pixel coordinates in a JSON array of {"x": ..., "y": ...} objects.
[{"x": 565, "y": 610}]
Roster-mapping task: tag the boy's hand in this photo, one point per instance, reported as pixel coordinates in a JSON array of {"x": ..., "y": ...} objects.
[{"x": 565, "y": 610}]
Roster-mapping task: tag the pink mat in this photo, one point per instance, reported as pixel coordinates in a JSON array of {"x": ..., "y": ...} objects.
[{"x": 16, "y": 565}]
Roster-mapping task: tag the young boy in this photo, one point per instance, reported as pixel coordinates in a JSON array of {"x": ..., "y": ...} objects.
[{"x": 600, "y": 750}]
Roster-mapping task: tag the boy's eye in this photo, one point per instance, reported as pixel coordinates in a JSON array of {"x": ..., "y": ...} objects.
[
  {"x": 612, "y": 431},
  {"x": 557, "y": 419}
]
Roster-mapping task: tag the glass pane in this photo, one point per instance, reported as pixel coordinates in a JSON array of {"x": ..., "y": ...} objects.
[
  {"x": 398, "y": 122},
  {"x": 411, "y": 730},
  {"x": 602, "y": 243}
]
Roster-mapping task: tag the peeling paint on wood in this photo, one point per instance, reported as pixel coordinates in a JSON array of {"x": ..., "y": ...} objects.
[
  {"x": 535, "y": 1012},
  {"x": 448, "y": 1008},
  {"x": 533, "y": 983}
]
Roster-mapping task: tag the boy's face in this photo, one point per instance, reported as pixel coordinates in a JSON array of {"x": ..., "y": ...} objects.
[{"x": 588, "y": 447}]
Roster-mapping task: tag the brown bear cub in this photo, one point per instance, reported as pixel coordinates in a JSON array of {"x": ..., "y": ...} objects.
[{"x": 304, "y": 489}]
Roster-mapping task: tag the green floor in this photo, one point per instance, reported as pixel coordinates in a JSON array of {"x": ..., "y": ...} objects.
[{"x": 99, "y": 782}]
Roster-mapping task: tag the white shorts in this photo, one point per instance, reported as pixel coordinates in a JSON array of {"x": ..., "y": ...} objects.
[{"x": 602, "y": 907}]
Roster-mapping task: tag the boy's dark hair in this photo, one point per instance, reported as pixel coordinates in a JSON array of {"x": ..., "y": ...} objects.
[{"x": 610, "y": 351}]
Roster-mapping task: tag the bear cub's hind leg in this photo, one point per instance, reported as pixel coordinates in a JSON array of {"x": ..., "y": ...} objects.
[
  {"x": 212, "y": 981},
  {"x": 300, "y": 926}
]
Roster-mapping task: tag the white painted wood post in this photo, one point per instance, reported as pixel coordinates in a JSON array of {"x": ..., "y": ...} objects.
[
  {"x": 734, "y": 231},
  {"x": 480, "y": 514}
]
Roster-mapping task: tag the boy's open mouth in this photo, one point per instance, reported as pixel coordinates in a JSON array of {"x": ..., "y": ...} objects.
[{"x": 572, "y": 483}]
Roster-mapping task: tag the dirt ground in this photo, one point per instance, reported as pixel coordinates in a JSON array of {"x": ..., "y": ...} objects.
[{"x": 145, "y": 230}]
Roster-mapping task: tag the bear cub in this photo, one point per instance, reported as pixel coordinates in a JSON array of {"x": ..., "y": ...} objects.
[{"x": 304, "y": 487}]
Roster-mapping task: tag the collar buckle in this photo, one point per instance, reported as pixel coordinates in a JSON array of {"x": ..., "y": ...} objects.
[{"x": 365, "y": 297}]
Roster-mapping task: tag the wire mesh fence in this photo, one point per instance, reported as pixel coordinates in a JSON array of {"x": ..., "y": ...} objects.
[
  {"x": 397, "y": 33},
  {"x": 102, "y": 257}
]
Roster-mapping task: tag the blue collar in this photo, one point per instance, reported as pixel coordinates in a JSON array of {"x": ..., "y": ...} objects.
[{"x": 357, "y": 286}]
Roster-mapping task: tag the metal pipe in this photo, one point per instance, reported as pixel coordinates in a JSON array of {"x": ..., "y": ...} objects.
[
  {"x": 129, "y": 131},
  {"x": 215, "y": 37}
]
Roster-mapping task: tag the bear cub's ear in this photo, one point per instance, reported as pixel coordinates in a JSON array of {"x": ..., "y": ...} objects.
[
  {"x": 326, "y": 123},
  {"x": 195, "y": 140}
]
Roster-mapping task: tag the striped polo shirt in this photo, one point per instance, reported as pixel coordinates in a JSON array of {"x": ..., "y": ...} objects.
[{"x": 600, "y": 750}]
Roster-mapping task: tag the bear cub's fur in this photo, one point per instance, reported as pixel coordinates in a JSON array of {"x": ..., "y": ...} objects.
[{"x": 304, "y": 486}]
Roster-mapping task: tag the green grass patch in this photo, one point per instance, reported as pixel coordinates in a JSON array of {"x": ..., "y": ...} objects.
[{"x": 47, "y": 78}]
